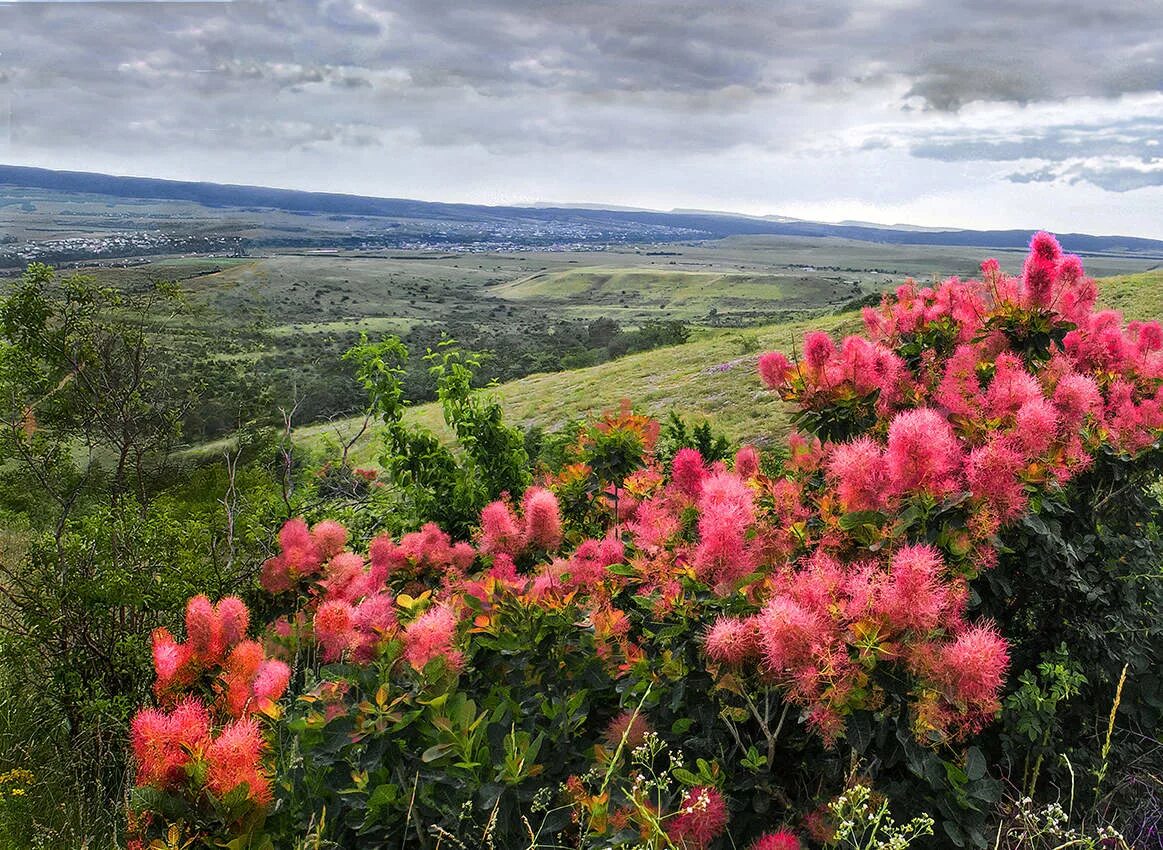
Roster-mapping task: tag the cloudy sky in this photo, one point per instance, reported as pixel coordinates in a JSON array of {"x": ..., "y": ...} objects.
[{"x": 995, "y": 113}]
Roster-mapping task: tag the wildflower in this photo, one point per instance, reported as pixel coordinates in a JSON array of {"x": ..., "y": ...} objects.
[
  {"x": 300, "y": 553},
  {"x": 688, "y": 472},
  {"x": 1078, "y": 294},
  {"x": 923, "y": 453},
  {"x": 334, "y": 628},
  {"x": 992, "y": 475},
  {"x": 432, "y": 635},
  {"x": 726, "y": 509},
  {"x": 542, "y": 518},
  {"x": 746, "y": 461},
  {"x": 913, "y": 597},
  {"x": 1075, "y": 398},
  {"x": 330, "y": 537},
  {"x": 731, "y": 640},
  {"x": 271, "y": 681},
  {"x": 782, "y": 840},
  {"x": 860, "y": 472},
  {"x": 611, "y": 550},
  {"x": 504, "y": 569},
  {"x": 169, "y": 657},
  {"x": 1150, "y": 337},
  {"x": 773, "y": 369},
  {"x": 376, "y": 614},
  {"x": 274, "y": 576},
  {"x": 655, "y": 524},
  {"x": 346, "y": 578},
  {"x": 974, "y": 664},
  {"x": 242, "y": 666},
  {"x": 463, "y": 555},
  {"x": 499, "y": 531},
  {"x": 804, "y": 455},
  {"x": 628, "y": 729},
  {"x": 787, "y": 634},
  {"x": 588, "y": 564},
  {"x": 234, "y": 758},
  {"x": 1070, "y": 270},
  {"x": 818, "y": 349},
  {"x": 701, "y": 818},
  {"x": 1041, "y": 270},
  {"x": 384, "y": 555},
  {"x": 203, "y": 630},
  {"x": 233, "y": 617},
  {"x": 1011, "y": 387},
  {"x": 162, "y": 743},
  {"x": 960, "y": 390},
  {"x": 1037, "y": 426}
]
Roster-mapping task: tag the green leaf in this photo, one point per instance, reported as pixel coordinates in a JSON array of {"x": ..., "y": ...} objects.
[
  {"x": 434, "y": 753},
  {"x": 856, "y": 519},
  {"x": 975, "y": 765},
  {"x": 681, "y": 725}
]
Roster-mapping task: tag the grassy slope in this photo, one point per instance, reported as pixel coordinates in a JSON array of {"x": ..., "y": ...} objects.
[
  {"x": 711, "y": 377},
  {"x": 634, "y": 294}
]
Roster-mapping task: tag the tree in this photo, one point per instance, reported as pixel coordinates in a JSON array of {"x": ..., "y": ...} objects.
[
  {"x": 438, "y": 484},
  {"x": 103, "y": 544}
]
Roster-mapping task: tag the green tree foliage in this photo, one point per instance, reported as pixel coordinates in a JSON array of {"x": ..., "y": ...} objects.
[
  {"x": 437, "y": 483},
  {"x": 107, "y": 528}
]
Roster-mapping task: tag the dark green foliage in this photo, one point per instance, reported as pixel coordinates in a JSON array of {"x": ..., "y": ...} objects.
[
  {"x": 416, "y": 755},
  {"x": 1079, "y": 594},
  {"x": 676, "y": 434},
  {"x": 656, "y": 333}
]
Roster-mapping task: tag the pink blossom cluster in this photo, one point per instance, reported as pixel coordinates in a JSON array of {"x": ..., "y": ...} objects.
[
  {"x": 216, "y": 650},
  {"x": 503, "y": 533},
  {"x": 204, "y": 737},
  {"x": 974, "y": 414},
  {"x": 355, "y": 610},
  {"x": 827, "y": 625},
  {"x": 701, "y": 818},
  {"x": 858, "y": 367},
  {"x": 1099, "y": 372},
  {"x": 171, "y": 748}
]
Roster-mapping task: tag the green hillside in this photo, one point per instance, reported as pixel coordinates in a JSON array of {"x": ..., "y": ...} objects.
[
  {"x": 713, "y": 377},
  {"x": 634, "y": 294}
]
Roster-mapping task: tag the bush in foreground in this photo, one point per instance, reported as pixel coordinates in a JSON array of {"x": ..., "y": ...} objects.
[{"x": 639, "y": 653}]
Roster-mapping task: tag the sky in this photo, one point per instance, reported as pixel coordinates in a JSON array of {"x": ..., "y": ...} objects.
[{"x": 995, "y": 113}]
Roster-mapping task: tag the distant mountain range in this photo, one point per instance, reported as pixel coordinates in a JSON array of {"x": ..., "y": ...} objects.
[{"x": 655, "y": 225}]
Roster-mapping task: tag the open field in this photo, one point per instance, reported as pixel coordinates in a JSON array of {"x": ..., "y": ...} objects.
[
  {"x": 712, "y": 377},
  {"x": 286, "y": 318},
  {"x": 741, "y": 276}
]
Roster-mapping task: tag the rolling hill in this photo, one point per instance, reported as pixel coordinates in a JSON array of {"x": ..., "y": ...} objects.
[
  {"x": 271, "y": 217},
  {"x": 712, "y": 377}
]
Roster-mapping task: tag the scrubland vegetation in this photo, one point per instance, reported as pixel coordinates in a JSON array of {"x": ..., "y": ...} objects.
[{"x": 896, "y": 585}]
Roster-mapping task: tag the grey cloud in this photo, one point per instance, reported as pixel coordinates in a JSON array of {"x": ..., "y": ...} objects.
[
  {"x": 1118, "y": 156},
  {"x": 1138, "y": 137},
  {"x": 1119, "y": 179},
  {"x": 518, "y": 76},
  {"x": 1042, "y": 175},
  {"x": 1108, "y": 176}
]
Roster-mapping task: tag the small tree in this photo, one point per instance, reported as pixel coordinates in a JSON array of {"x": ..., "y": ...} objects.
[{"x": 437, "y": 483}]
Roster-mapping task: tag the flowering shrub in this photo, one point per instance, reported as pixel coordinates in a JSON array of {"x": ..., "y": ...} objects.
[
  {"x": 201, "y": 755},
  {"x": 777, "y": 627}
]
